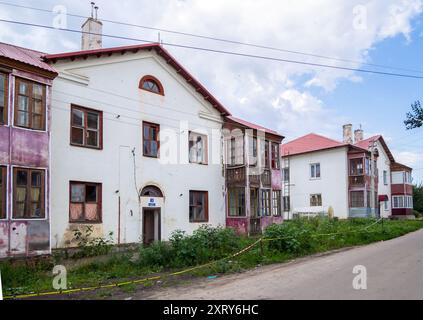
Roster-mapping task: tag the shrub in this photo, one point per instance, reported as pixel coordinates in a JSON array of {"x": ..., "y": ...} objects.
[
  {"x": 205, "y": 245},
  {"x": 293, "y": 236}
]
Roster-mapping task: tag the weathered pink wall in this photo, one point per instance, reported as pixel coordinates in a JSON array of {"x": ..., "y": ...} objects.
[
  {"x": 276, "y": 179},
  {"x": 239, "y": 224},
  {"x": 24, "y": 148}
]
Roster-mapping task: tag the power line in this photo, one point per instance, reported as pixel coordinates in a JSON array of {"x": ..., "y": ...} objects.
[
  {"x": 245, "y": 55},
  {"x": 220, "y": 39}
]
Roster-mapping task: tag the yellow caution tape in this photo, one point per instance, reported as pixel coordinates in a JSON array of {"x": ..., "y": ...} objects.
[{"x": 121, "y": 284}]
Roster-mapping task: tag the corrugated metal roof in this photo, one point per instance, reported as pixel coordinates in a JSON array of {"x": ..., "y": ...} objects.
[
  {"x": 23, "y": 55},
  {"x": 160, "y": 51},
  {"x": 252, "y": 125},
  {"x": 309, "y": 143}
]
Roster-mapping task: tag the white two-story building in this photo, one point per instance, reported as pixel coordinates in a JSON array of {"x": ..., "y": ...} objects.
[{"x": 136, "y": 145}]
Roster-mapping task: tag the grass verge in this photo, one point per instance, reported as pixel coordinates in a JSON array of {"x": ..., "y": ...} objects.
[{"x": 291, "y": 240}]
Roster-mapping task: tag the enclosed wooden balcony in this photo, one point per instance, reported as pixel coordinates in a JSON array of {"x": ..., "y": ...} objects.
[{"x": 357, "y": 181}]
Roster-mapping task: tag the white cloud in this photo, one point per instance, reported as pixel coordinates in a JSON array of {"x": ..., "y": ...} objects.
[{"x": 275, "y": 94}]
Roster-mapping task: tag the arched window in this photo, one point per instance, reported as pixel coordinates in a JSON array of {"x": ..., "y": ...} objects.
[
  {"x": 151, "y": 84},
  {"x": 151, "y": 191}
]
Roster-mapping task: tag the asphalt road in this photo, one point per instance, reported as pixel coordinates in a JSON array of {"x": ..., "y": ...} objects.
[{"x": 394, "y": 271}]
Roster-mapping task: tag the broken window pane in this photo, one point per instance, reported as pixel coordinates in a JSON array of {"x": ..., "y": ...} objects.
[{"x": 91, "y": 193}]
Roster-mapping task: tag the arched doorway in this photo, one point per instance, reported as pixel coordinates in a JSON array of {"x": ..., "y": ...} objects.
[{"x": 152, "y": 202}]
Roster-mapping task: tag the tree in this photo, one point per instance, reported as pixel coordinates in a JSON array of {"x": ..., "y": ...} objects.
[
  {"x": 418, "y": 197},
  {"x": 414, "y": 118}
]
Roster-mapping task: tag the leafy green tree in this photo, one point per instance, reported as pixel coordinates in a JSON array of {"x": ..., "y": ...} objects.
[
  {"x": 414, "y": 118},
  {"x": 418, "y": 197}
]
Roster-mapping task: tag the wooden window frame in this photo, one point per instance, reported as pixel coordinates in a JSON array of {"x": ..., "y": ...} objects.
[
  {"x": 354, "y": 171},
  {"x": 157, "y": 126},
  {"x": 236, "y": 192},
  {"x": 85, "y": 129},
  {"x": 195, "y": 193},
  {"x": 6, "y": 99},
  {"x": 266, "y": 206},
  {"x": 276, "y": 203},
  {"x": 3, "y": 207},
  {"x": 99, "y": 203},
  {"x": 30, "y": 104},
  {"x": 317, "y": 203},
  {"x": 28, "y": 193},
  {"x": 275, "y": 152},
  {"x": 352, "y": 201},
  {"x": 266, "y": 154},
  {"x": 286, "y": 203},
  {"x": 152, "y": 79},
  {"x": 205, "y": 148}
]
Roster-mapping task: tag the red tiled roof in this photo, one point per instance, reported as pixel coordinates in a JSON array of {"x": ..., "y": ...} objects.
[
  {"x": 135, "y": 48},
  {"x": 367, "y": 143},
  {"x": 252, "y": 125},
  {"x": 23, "y": 55},
  {"x": 309, "y": 143}
]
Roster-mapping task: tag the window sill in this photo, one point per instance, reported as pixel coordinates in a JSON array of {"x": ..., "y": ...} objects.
[
  {"x": 85, "y": 222},
  {"x": 85, "y": 147},
  {"x": 151, "y": 157}
]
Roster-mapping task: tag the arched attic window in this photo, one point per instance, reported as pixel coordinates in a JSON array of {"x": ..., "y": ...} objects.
[{"x": 151, "y": 84}]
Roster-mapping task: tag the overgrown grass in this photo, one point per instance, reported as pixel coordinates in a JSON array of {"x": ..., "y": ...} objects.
[{"x": 291, "y": 239}]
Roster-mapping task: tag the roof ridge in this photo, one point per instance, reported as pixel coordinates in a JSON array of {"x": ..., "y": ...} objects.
[{"x": 22, "y": 48}]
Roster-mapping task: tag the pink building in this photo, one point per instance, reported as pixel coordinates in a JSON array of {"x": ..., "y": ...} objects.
[{"x": 25, "y": 88}]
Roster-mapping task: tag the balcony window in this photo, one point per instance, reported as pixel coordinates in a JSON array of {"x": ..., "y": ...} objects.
[
  {"x": 236, "y": 199},
  {"x": 3, "y": 184},
  {"x": 357, "y": 199},
  {"x": 275, "y": 157},
  {"x": 276, "y": 203},
  {"x": 356, "y": 167},
  {"x": 3, "y": 98},
  {"x": 29, "y": 193},
  {"x": 265, "y": 203}
]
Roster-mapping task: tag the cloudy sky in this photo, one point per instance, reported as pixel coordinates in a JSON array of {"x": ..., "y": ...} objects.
[{"x": 294, "y": 99}]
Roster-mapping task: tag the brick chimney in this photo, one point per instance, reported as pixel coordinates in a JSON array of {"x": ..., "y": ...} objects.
[
  {"x": 348, "y": 133},
  {"x": 92, "y": 31},
  {"x": 358, "y": 135}
]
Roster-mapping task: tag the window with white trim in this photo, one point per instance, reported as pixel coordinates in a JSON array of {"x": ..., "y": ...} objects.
[
  {"x": 197, "y": 148},
  {"x": 402, "y": 202},
  {"x": 315, "y": 171}
]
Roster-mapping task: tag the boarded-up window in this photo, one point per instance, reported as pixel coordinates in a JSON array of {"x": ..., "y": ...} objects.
[
  {"x": 197, "y": 148},
  {"x": 29, "y": 194},
  {"x": 30, "y": 105},
  {"x": 85, "y": 202},
  {"x": 3, "y": 175},
  {"x": 151, "y": 139},
  {"x": 3, "y": 98},
  {"x": 236, "y": 200},
  {"x": 87, "y": 127},
  {"x": 198, "y": 206}
]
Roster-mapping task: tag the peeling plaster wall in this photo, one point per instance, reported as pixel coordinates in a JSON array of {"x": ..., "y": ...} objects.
[
  {"x": 27, "y": 149},
  {"x": 111, "y": 84}
]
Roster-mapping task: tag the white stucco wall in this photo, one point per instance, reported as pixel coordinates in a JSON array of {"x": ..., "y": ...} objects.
[
  {"x": 110, "y": 84},
  {"x": 384, "y": 164},
  {"x": 333, "y": 184}
]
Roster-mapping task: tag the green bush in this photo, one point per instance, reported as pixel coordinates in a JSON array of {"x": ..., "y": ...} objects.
[
  {"x": 293, "y": 236},
  {"x": 206, "y": 244}
]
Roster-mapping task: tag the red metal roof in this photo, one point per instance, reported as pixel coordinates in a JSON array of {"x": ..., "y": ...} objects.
[
  {"x": 252, "y": 125},
  {"x": 23, "y": 55},
  {"x": 135, "y": 48},
  {"x": 367, "y": 143},
  {"x": 309, "y": 143}
]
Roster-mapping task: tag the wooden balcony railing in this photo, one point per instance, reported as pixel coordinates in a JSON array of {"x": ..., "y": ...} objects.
[
  {"x": 357, "y": 181},
  {"x": 236, "y": 176}
]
